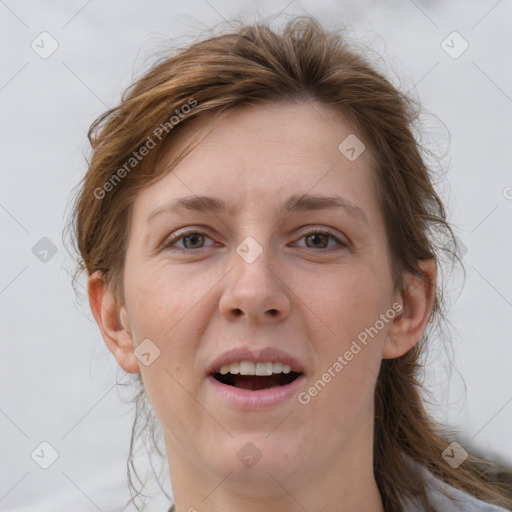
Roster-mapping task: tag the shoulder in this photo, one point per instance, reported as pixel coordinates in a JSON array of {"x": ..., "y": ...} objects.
[{"x": 446, "y": 498}]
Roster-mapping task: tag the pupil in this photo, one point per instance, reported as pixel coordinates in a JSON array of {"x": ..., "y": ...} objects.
[
  {"x": 310, "y": 237},
  {"x": 193, "y": 236}
]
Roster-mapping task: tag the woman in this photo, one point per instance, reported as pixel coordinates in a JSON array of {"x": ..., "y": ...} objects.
[{"x": 257, "y": 226}]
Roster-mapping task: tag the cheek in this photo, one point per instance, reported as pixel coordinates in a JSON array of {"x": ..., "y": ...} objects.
[
  {"x": 161, "y": 310},
  {"x": 350, "y": 339},
  {"x": 350, "y": 300},
  {"x": 165, "y": 317},
  {"x": 157, "y": 300}
]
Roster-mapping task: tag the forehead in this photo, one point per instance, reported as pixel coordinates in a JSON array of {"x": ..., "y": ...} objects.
[{"x": 264, "y": 154}]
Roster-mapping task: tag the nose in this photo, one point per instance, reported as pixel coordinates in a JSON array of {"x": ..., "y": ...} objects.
[{"x": 257, "y": 287}]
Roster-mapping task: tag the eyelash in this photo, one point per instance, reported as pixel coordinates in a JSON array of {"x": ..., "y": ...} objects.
[{"x": 170, "y": 244}]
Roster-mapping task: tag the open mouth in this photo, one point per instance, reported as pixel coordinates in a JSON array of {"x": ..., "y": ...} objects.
[{"x": 256, "y": 382}]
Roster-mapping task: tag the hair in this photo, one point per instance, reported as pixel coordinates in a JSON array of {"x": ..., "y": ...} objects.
[{"x": 302, "y": 62}]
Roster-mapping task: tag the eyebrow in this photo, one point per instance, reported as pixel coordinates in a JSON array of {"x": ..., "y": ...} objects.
[{"x": 295, "y": 203}]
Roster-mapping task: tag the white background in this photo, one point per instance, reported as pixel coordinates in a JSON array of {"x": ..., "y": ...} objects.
[{"x": 57, "y": 379}]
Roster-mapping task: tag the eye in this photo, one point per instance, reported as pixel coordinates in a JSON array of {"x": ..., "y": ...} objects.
[
  {"x": 195, "y": 240},
  {"x": 191, "y": 238},
  {"x": 319, "y": 238}
]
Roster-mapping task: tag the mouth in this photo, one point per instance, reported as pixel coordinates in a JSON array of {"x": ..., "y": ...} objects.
[
  {"x": 255, "y": 376},
  {"x": 249, "y": 379}
]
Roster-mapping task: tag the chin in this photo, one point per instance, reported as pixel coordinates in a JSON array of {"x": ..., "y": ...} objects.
[{"x": 255, "y": 462}]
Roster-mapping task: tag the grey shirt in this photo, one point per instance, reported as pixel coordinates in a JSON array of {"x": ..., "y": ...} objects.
[{"x": 462, "y": 501}]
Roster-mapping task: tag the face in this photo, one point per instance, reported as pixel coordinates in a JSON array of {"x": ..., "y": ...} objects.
[{"x": 307, "y": 288}]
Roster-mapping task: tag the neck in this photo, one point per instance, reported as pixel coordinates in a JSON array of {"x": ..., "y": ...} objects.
[
  {"x": 312, "y": 497},
  {"x": 345, "y": 482}
]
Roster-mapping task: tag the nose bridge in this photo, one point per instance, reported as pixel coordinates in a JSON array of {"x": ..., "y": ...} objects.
[
  {"x": 255, "y": 289},
  {"x": 253, "y": 264},
  {"x": 250, "y": 250}
]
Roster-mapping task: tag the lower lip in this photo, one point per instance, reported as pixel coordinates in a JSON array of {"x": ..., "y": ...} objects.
[{"x": 259, "y": 399}]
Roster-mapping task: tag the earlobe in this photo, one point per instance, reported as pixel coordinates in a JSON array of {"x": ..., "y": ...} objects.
[
  {"x": 112, "y": 319},
  {"x": 418, "y": 299}
]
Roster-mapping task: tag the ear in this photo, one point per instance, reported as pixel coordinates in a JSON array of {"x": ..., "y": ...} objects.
[
  {"x": 418, "y": 299},
  {"x": 112, "y": 320}
]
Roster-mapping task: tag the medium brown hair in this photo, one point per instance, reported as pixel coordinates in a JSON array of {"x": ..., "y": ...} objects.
[{"x": 302, "y": 62}]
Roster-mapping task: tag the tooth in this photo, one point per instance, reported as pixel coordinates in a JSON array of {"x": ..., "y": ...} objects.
[
  {"x": 251, "y": 368},
  {"x": 277, "y": 367},
  {"x": 234, "y": 368},
  {"x": 247, "y": 368},
  {"x": 263, "y": 368}
]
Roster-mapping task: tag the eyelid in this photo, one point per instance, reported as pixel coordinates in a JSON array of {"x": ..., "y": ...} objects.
[
  {"x": 170, "y": 242},
  {"x": 340, "y": 242}
]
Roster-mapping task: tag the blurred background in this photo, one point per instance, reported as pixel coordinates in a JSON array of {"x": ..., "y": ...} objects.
[{"x": 64, "y": 426}]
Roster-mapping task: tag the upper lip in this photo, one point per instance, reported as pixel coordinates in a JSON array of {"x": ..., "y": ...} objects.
[{"x": 260, "y": 355}]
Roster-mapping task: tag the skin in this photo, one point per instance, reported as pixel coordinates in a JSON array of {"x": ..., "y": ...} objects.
[{"x": 196, "y": 305}]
